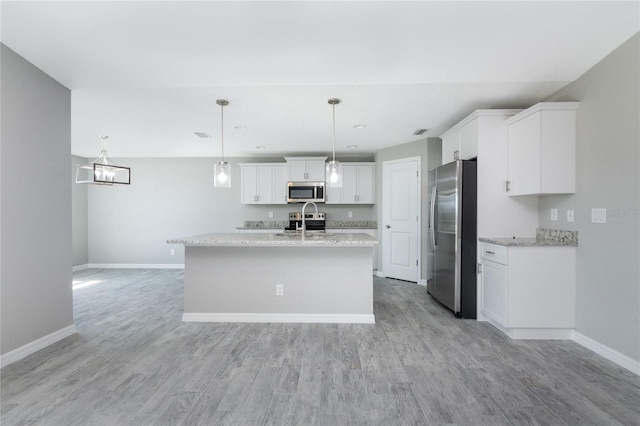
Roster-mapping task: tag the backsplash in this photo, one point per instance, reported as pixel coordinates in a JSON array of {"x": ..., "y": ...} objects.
[
  {"x": 265, "y": 224},
  {"x": 557, "y": 235},
  {"x": 331, "y": 224},
  {"x": 352, "y": 224}
]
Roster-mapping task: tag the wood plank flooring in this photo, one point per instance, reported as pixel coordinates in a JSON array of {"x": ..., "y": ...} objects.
[{"x": 133, "y": 362}]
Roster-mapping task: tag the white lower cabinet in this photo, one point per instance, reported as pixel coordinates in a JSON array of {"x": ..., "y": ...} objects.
[
  {"x": 528, "y": 292},
  {"x": 371, "y": 232}
]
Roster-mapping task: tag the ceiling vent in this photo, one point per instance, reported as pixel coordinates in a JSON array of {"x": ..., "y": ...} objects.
[
  {"x": 420, "y": 131},
  {"x": 202, "y": 134}
]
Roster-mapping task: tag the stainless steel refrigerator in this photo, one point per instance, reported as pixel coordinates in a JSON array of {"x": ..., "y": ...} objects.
[{"x": 453, "y": 229}]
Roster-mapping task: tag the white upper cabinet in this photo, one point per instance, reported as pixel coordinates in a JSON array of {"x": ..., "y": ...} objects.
[
  {"x": 303, "y": 169},
  {"x": 542, "y": 149},
  {"x": 357, "y": 185},
  {"x": 461, "y": 141},
  {"x": 263, "y": 183},
  {"x": 450, "y": 147}
]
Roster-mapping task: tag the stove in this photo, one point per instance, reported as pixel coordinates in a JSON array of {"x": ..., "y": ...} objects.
[{"x": 313, "y": 221}]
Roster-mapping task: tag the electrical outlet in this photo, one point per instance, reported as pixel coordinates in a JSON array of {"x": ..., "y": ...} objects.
[
  {"x": 554, "y": 214},
  {"x": 570, "y": 216},
  {"x": 172, "y": 252},
  {"x": 350, "y": 213},
  {"x": 279, "y": 289},
  {"x": 599, "y": 215},
  {"x": 271, "y": 215}
]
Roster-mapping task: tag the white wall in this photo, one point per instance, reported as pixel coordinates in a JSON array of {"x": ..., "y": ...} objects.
[
  {"x": 79, "y": 216},
  {"x": 429, "y": 150},
  {"x": 608, "y": 175},
  {"x": 171, "y": 198},
  {"x": 35, "y": 243}
]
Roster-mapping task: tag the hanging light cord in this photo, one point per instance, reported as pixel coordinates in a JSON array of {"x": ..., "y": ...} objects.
[
  {"x": 222, "y": 129},
  {"x": 334, "y": 131}
]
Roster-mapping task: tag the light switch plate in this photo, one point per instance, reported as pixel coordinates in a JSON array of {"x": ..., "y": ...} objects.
[
  {"x": 271, "y": 215},
  {"x": 570, "y": 216},
  {"x": 350, "y": 213},
  {"x": 599, "y": 215},
  {"x": 554, "y": 214}
]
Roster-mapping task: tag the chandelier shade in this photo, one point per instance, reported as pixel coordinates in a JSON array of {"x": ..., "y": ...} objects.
[
  {"x": 222, "y": 169},
  {"x": 103, "y": 171},
  {"x": 334, "y": 168}
]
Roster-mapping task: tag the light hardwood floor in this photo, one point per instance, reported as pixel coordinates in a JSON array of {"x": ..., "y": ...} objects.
[{"x": 133, "y": 362}]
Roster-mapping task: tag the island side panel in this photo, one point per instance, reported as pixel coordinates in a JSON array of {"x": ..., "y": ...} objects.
[{"x": 242, "y": 280}]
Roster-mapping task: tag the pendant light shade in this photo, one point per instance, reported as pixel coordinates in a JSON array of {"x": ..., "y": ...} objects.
[
  {"x": 222, "y": 170},
  {"x": 334, "y": 169},
  {"x": 102, "y": 171}
]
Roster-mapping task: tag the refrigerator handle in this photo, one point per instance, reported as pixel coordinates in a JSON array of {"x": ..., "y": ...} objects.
[{"x": 432, "y": 215}]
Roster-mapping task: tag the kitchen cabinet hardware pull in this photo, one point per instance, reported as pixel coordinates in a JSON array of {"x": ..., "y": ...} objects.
[
  {"x": 508, "y": 185},
  {"x": 489, "y": 252},
  {"x": 387, "y": 226}
]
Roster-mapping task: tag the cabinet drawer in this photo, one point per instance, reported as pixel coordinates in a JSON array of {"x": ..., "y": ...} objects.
[{"x": 495, "y": 253}]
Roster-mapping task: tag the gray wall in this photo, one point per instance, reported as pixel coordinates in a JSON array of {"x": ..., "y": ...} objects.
[
  {"x": 608, "y": 154},
  {"x": 79, "y": 216},
  {"x": 429, "y": 150},
  {"x": 36, "y": 204},
  {"x": 171, "y": 198}
]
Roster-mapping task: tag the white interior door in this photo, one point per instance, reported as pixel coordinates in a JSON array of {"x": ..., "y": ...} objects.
[{"x": 401, "y": 218}]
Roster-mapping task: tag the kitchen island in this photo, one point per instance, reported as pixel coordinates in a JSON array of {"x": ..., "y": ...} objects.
[{"x": 278, "y": 277}]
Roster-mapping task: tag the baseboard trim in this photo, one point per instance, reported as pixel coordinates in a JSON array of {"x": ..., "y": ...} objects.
[
  {"x": 532, "y": 333},
  {"x": 607, "y": 352},
  {"x": 36, "y": 345},
  {"x": 280, "y": 318},
  {"x": 423, "y": 283},
  {"x": 80, "y": 267},
  {"x": 380, "y": 274},
  {"x": 135, "y": 265}
]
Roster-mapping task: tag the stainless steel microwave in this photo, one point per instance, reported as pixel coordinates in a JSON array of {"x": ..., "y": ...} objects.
[{"x": 301, "y": 192}]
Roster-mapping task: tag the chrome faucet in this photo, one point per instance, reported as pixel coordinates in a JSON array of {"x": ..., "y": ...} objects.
[{"x": 304, "y": 224}]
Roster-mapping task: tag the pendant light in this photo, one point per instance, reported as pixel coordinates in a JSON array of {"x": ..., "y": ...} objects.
[
  {"x": 334, "y": 169},
  {"x": 222, "y": 169},
  {"x": 102, "y": 171}
]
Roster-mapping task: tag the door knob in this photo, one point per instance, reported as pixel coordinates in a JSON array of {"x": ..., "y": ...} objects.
[{"x": 387, "y": 226}]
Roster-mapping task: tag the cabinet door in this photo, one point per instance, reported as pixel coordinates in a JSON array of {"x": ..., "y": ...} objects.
[
  {"x": 469, "y": 140},
  {"x": 349, "y": 184},
  {"x": 279, "y": 185},
  {"x": 297, "y": 170},
  {"x": 316, "y": 170},
  {"x": 365, "y": 180},
  {"x": 332, "y": 194},
  {"x": 248, "y": 183},
  {"x": 265, "y": 185},
  {"x": 494, "y": 291},
  {"x": 450, "y": 147},
  {"x": 524, "y": 156}
]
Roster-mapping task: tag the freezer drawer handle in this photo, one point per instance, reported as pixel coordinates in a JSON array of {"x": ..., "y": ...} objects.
[{"x": 489, "y": 252}]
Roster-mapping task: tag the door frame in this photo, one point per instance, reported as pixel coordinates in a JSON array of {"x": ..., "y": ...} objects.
[{"x": 383, "y": 242}]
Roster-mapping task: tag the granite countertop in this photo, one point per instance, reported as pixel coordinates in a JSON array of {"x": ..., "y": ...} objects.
[
  {"x": 331, "y": 224},
  {"x": 544, "y": 237},
  {"x": 275, "y": 240}
]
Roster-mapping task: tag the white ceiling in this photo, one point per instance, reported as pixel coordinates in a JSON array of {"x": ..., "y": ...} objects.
[{"x": 148, "y": 73}]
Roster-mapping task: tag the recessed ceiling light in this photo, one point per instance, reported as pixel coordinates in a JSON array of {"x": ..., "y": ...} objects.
[
  {"x": 202, "y": 134},
  {"x": 260, "y": 147},
  {"x": 240, "y": 127},
  {"x": 359, "y": 126},
  {"x": 352, "y": 146}
]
